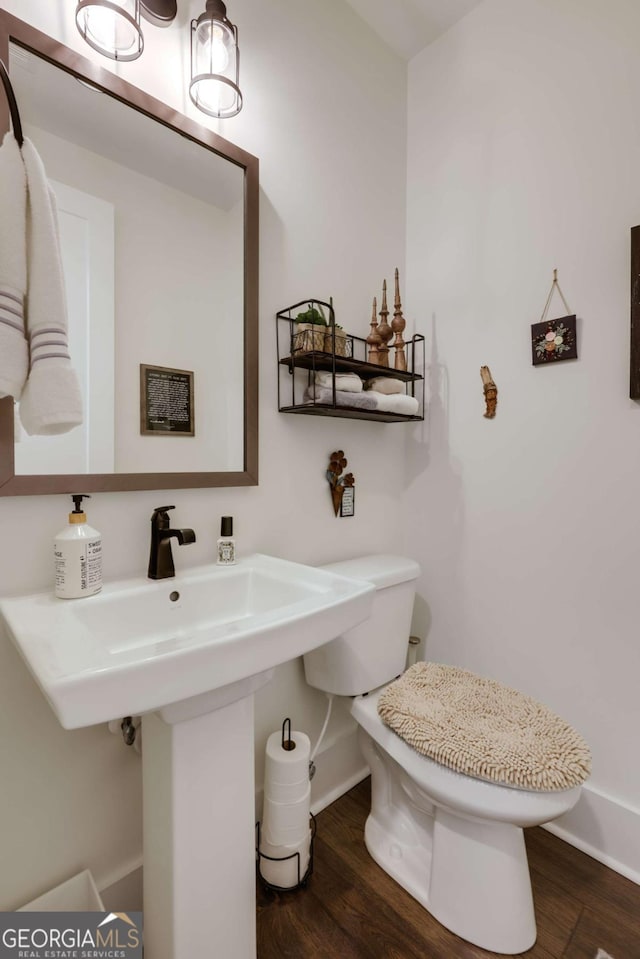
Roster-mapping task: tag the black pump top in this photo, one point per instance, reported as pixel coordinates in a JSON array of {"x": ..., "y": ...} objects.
[
  {"x": 77, "y": 501},
  {"x": 226, "y": 526}
]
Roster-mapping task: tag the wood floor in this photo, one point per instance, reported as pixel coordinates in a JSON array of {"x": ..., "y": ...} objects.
[{"x": 351, "y": 909}]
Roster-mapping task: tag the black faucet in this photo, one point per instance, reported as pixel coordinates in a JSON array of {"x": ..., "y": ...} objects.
[{"x": 160, "y": 558}]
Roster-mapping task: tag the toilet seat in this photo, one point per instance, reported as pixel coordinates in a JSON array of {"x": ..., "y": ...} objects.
[{"x": 463, "y": 794}]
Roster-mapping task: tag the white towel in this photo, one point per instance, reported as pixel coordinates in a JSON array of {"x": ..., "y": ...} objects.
[
  {"x": 51, "y": 401},
  {"x": 14, "y": 352},
  {"x": 346, "y": 382},
  {"x": 385, "y": 384},
  {"x": 324, "y": 397},
  {"x": 395, "y": 403}
]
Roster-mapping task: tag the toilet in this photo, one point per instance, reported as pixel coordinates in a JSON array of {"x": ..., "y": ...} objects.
[{"x": 454, "y": 842}]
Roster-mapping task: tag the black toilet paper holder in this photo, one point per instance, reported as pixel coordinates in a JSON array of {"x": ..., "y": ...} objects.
[{"x": 302, "y": 881}]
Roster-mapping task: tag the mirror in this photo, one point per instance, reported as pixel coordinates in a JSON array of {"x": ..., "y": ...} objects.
[{"x": 158, "y": 224}]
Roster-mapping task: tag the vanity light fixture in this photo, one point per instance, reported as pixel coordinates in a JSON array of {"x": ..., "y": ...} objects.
[
  {"x": 112, "y": 27},
  {"x": 215, "y": 60}
]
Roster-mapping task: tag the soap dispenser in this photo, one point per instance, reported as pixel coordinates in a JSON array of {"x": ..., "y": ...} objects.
[{"x": 78, "y": 555}]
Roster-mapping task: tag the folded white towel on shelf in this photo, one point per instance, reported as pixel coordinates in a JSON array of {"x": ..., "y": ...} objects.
[
  {"x": 323, "y": 396},
  {"x": 348, "y": 382},
  {"x": 51, "y": 401},
  {"x": 14, "y": 351},
  {"x": 385, "y": 384},
  {"x": 395, "y": 403}
]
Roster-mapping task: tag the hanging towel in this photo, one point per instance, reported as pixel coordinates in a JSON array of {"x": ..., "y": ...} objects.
[
  {"x": 14, "y": 353},
  {"x": 51, "y": 401}
]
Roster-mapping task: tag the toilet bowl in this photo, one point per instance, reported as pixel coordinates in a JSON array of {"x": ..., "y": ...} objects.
[{"x": 454, "y": 842}]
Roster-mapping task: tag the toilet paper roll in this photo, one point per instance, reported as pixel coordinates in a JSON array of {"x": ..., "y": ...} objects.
[
  {"x": 286, "y": 823},
  {"x": 280, "y": 870},
  {"x": 287, "y": 766},
  {"x": 286, "y": 792}
]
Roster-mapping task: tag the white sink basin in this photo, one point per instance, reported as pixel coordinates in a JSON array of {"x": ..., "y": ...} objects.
[{"x": 141, "y": 645}]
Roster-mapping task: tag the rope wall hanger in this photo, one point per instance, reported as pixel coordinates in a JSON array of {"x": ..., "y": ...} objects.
[{"x": 13, "y": 104}]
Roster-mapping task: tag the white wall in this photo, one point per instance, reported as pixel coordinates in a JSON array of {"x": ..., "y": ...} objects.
[
  {"x": 324, "y": 111},
  {"x": 523, "y": 156}
]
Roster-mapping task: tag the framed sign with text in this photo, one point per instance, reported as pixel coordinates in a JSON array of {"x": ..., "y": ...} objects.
[{"x": 166, "y": 401}]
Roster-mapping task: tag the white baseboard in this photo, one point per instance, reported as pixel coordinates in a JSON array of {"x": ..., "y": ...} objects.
[{"x": 607, "y": 829}]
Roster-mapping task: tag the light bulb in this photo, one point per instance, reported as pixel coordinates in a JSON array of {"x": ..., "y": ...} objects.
[
  {"x": 219, "y": 55},
  {"x": 213, "y": 41}
]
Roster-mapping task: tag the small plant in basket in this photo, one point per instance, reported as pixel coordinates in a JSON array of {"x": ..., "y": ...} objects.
[{"x": 311, "y": 330}]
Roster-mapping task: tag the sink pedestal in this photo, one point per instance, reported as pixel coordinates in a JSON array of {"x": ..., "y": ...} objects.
[{"x": 199, "y": 839}]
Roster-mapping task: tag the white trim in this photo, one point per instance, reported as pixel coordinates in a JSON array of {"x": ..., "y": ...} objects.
[
  {"x": 328, "y": 797},
  {"x": 605, "y": 828}
]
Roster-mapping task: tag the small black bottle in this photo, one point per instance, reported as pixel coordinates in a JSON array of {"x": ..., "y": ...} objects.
[{"x": 226, "y": 543}]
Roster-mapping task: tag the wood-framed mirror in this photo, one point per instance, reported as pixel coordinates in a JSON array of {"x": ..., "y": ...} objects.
[{"x": 163, "y": 276}]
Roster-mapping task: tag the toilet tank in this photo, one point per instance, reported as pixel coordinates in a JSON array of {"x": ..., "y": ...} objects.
[{"x": 375, "y": 652}]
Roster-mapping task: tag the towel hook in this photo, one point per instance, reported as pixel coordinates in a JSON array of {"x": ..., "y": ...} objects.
[{"x": 13, "y": 104}]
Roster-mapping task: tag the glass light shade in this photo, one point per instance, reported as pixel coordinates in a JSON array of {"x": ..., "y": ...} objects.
[
  {"x": 214, "y": 66},
  {"x": 112, "y": 27}
]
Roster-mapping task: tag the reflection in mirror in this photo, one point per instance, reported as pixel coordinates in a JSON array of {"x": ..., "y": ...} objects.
[{"x": 153, "y": 228}]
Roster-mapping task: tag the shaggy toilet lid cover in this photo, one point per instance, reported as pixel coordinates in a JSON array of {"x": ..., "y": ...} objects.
[{"x": 484, "y": 729}]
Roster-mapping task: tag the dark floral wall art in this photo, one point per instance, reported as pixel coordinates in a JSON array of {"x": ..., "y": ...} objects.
[{"x": 554, "y": 340}]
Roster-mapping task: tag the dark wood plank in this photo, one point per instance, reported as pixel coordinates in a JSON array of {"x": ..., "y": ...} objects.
[
  {"x": 296, "y": 925},
  {"x": 557, "y": 913},
  {"x": 580, "y": 876},
  {"x": 615, "y": 931}
]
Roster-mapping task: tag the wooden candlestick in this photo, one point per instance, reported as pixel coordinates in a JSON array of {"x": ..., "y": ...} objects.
[
  {"x": 374, "y": 337},
  {"x": 397, "y": 325},
  {"x": 384, "y": 330}
]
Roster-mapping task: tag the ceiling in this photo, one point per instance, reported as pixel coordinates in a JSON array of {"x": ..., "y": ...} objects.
[{"x": 407, "y": 26}]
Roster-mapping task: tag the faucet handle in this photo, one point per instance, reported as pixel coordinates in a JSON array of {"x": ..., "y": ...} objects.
[{"x": 159, "y": 517}]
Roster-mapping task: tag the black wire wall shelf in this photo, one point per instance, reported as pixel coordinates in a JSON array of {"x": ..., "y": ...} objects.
[{"x": 307, "y": 350}]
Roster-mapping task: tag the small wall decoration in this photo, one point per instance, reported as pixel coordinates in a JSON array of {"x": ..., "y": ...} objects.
[
  {"x": 166, "y": 401},
  {"x": 490, "y": 392},
  {"x": 341, "y": 486},
  {"x": 554, "y": 340}
]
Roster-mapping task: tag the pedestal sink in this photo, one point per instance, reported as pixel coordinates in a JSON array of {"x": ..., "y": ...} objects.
[{"x": 187, "y": 654}]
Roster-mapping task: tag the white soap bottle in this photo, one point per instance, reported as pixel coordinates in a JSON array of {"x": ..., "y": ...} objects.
[
  {"x": 226, "y": 543},
  {"x": 78, "y": 556}
]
